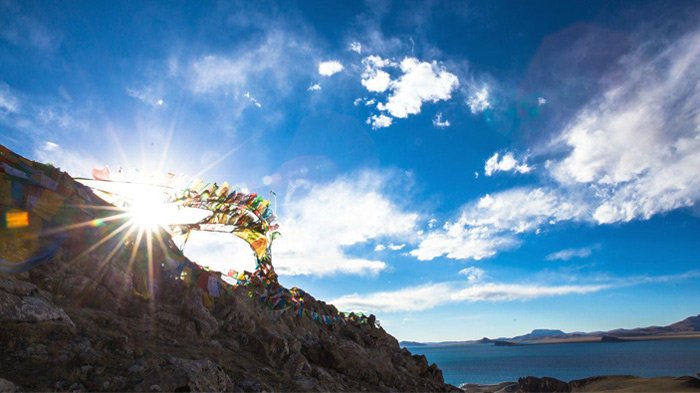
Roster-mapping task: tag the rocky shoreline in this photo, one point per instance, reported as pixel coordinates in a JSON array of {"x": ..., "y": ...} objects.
[{"x": 610, "y": 383}]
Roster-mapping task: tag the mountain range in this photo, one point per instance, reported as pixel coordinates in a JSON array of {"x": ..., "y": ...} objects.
[{"x": 687, "y": 328}]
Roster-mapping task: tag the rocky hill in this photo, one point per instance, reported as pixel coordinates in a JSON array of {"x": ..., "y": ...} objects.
[{"x": 90, "y": 315}]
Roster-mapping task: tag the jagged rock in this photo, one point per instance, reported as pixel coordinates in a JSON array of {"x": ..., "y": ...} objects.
[
  {"x": 8, "y": 387},
  {"x": 185, "y": 375},
  {"x": 17, "y": 308}
]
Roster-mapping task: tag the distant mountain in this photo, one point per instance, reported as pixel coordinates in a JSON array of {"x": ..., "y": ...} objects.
[
  {"x": 688, "y": 325},
  {"x": 540, "y": 333}
]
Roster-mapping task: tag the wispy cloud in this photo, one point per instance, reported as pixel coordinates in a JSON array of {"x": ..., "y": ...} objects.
[
  {"x": 488, "y": 225},
  {"x": 430, "y": 295},
  {"x": 638, "y": 145},
  {"x": 25, "y": 30},
  {"x": 569, "y": 253},
  {"x": 473, "y": 274},
  {"x": 76, "y": 163},
  {"x": 147, "y": 95},
  {"x": 629, "y": 154},
  {"x": 8, "y": 101}
]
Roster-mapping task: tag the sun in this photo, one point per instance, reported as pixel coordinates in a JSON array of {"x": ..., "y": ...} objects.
[{"x": 148, "y": 208}]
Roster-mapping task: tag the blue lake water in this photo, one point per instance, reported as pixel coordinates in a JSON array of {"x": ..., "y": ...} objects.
[{"x": 488, "y": 364}]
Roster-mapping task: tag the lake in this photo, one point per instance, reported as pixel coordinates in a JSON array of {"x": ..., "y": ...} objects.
[{"x": 489, "y": 364}]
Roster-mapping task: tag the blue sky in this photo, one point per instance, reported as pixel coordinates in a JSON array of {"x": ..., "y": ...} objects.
[{"x": 460, "y": 169}]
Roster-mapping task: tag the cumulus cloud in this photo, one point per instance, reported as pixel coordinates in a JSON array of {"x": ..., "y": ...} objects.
[
  {"x": 374, "y": 78},
  {"x": 569, "y": 253},
  {"x": 328, "y": 68},
  {"x": 418, "y": 82},
  {"x": 506, "y": 163},
  {"x": 379, "y": 121},
  {"x": 439, "y": 122},
  {"x": 421, "y": 82},
  {"x": 316, "y": 232},
  {"x": 430, "y": 295},
  {"x": 478, "y": 100},
  {"x": 487, "y": 226},
  {"x": 314, "y": 87},
  {"x": 541, "y": 101}
]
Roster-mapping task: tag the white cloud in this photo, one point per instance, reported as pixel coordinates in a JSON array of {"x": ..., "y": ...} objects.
[
  {"x": 416, "y": 298},
  {"x": 212, "y": 72},
  {"x": 355, "y": 47},
  {"x": 396, "y": 247},
  {"x": 473, "y": 274},
  {"x": 76, "y": 163},
  {"x": 328, "y": 68},
  {"x": 147, "y": 96},
  {"x": 426, "y": 296},
  {"x": 629, "y": 154},
  {"x": 638, "y": 145},
  {"x": 379, "y": 121},
  {"x": 25, "y": 31},
  {"x": 565, "y": 255},
  {"x": 439, "y": 122},
  {"x": 8, "y": 101},
  {"x": 431, "y": 295},
  {"x": 220, "y": 251},
  {"x": 255, "y": 64},
  {"x": 252, "y": 99},
  {"x": 390, "y": 246},
  {"x": 488, "y": 225},
  {"x": 506, "y": 163},
  {"x": 314, "y": 87},
  {"x": 373, "y": 78},
  {"x": 541, "y": 101},
  {"x": 315, "y": 231},
  {"x": 420, "y": 82},
  {"x": 459, "y": 242},
  {"x": 478, "y": 100}
]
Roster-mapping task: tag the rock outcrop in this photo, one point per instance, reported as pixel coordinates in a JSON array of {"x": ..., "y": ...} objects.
[{"x": 81, "y": 322}]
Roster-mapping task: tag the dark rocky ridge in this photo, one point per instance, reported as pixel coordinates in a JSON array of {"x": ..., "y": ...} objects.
[{"x": 77, "y": 323}]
